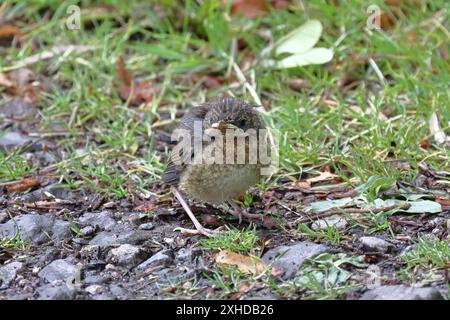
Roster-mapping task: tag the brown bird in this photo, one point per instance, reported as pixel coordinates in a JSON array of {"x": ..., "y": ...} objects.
[{"x": 198, "y": 173}]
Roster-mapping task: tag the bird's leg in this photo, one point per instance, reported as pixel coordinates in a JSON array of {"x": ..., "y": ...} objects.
[
  {"x": 238, "y": 211},
  {"x": 199, "y": 229}
]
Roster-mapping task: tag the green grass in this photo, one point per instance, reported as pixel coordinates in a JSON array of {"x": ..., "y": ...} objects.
[
  {"x": 13, "y": 167},
  {"x": 428, "y": 256},
  {"x": 313, "y": 132},
  {"x": 15, "y": 242},
  {"x": 330, "y": 233},
  {"x": 324, "y": 277},
  {"x": 240, "y": 241},
  {"x": 110, "y": 147}
]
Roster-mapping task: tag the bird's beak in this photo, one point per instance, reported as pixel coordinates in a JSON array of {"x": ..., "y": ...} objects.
[{"x": 223, "y": 125}]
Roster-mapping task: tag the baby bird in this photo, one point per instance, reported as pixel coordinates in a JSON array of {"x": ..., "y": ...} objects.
[{"x": 196, "y": 171}]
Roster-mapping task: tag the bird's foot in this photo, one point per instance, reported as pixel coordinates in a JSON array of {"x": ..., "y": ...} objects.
[
  {"x": 241, "y": 213},
  {"x": 200, "y": 231}
]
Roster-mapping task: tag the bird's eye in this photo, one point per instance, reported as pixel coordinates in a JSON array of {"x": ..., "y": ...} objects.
[{"x": 242, "y": 123}]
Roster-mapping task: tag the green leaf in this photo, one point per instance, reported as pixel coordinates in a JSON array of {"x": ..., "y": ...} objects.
[
  {"x": 313, "y": 56},
  {"x": 300, "y": 39},
  {"x": 421, "y": 206},
  {"x": 424, "y": 206},
  {"x": 375, "y": 185},
  {"x": 321, "y": 206}
]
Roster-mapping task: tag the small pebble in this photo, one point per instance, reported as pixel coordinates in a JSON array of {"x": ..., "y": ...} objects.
[{"x": 147, "y": 226}]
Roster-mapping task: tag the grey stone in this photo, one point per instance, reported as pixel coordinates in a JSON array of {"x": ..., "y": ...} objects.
[
  {"x": 375, "y": 244},
  {"x": 290, "y": 258},
  {"x": 147, "y": 226},
  {"x": 96, "y": 279},
  {"x": 126, "y": 255},
  {"x": 95, "y": 289},
  {"x": 36, "y": 228},
  {"x": 8, "y": 273},
  {"x": 401, "y": 292},
  {"x": 33, "y": 227},
  {"x": 58, "y": 270},
  {"x": 101, "y": 219},
  {"x": 13, "y": 139},
  {"x": 3, "y": 216},
  {"x": 334, "y": 221},
  {"x": 56, "y": 190},
  {"x": 90, "y": 251},
  {"x": 55, "y": 292},
  {"x": 135, "y": 236},
  {"x": 87, "y": 231},
  {"x": 186, "y": 255},
  {"x": 61, "y": 230},
  {"x": 18, "y": 109},
  {"x": 161, "y": 258},
  {"x": 118, "y": 291},
  {"x": 105, "y": 239}
]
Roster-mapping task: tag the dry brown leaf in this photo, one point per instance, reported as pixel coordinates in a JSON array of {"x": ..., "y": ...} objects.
[
  {"x": 136, "y": 92},
  {"x": 9, "y": 32},
  {"x": 299, "y": 84},
  {"x": 248, "y": 8},
  {"x": 23, "y": 185},
  {"x": 280, "y": 4},
  {"x": 323, "y": 176},
  {"x": 443, "y": 201},
  {"x": 123, "y": 74},
  {"x": 4, "y": 81},
  {"x": 211, "y": 220},
  {"x": 247, "y": 264},
  {"x": 386, "y": 21},
  {"x": 22, "y": 83}
]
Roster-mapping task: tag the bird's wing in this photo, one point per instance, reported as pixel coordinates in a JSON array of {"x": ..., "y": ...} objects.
[{"x": 175, "y": 165}]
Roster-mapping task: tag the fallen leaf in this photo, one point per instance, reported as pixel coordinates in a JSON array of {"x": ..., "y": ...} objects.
[
  {"x": 246, "y": 264},
  {"x": 321, "y": 206},
  {"x": 146, "y": 207},
  {"x": 23, "y": 185},
  {"x": 323, "y": 176},
  {"x": 140, "y": 93},
  {"x": 301, "y": 39},
  {"x": 136, "y": 92},
  {"x": 123, "y": 75},
  {"x": 386, "y": 21},
  {"x": 4, "y": 81},
  {"x": 299, "y": 84},
  {"x": 8, "y": 33},
  {"x": 211, "y": 220},
  {"x": 268, "y": 222},
  {"x": 313, "y": 56},
  {"x": 22, "y": 83},
  {"x": 425, "y": 144},
  {"x": 280, "y": 4},
  {"x": 443, "y": 201},
  {"x": 421, "y": 206},
  {"x": 248, "y": 8}
]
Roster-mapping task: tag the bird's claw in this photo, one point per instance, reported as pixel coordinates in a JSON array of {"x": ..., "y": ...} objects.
[{"x": 201, "y": 231}]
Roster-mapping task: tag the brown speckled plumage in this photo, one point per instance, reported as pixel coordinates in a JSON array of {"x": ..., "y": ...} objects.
[{"x": 216, "y": 183}]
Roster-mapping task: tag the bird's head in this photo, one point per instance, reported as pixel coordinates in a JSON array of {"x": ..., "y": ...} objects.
[{"x": 230, "y": 113}]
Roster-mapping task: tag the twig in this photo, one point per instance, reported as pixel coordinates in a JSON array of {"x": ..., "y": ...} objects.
[{"x": 66, "y": 50}]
